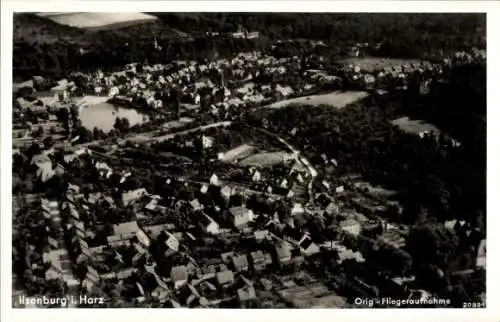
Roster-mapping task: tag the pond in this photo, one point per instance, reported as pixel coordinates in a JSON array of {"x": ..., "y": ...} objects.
[{"x": 103, "y": 116}]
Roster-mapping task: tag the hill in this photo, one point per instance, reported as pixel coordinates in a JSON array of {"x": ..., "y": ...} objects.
[
  {"x": 98, "y": 20},
  {"x": 41, "y": 45}
]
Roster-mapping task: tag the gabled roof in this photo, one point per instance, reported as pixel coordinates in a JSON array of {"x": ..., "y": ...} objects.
[
  {"x": 239, "y": 211},
  {"x": 305, "y": 242},
  {"x": 348, "y": 223},
  {"x": 240, "y": 262},
  {"x": 283, "y": 250},
  {"x": 126, "y": 228},
  {"x": 225, "y": 277},
  {"x": 246, "y": 293},
  {"x": 179, "y": 273}
]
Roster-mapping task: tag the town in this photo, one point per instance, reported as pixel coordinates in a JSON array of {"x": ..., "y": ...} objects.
[{"x": 203, "y": 184}]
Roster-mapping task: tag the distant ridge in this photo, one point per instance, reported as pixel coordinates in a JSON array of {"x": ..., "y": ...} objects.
[{"x": 97, "y": 20}]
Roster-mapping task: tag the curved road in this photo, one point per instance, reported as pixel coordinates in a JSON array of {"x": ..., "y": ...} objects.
[{"x": 297, "y": 154}]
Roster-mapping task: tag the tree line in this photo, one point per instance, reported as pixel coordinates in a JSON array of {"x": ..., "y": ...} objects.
[{"x": 43, "y": 47}]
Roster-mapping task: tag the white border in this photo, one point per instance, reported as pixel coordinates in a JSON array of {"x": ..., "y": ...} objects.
[{"x": 491, "y": 313}]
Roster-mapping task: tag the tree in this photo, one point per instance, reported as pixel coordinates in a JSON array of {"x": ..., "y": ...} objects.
[
  {"x": 398, "y": 261},
  {"x": 430, "y": 277},
  {"x": 125, "y": 124},
  {"x": 38, "y": 132},
  {"x": 24, "y": 92},
  {"x": 118, "y": 124},
  {"x": 432, "y": 244},
  {"x": 439, "y": 196},
  {"x": 48, "y": 142}
]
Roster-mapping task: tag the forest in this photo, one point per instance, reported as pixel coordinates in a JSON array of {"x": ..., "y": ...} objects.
[
  {"x": 436, "y": 178},
  {"x": 44, "y": 47}
]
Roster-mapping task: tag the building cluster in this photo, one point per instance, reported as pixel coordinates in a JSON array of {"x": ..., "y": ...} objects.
[
  {"x": 211, "y": 244},
  {"x": 234, "y": 232}
]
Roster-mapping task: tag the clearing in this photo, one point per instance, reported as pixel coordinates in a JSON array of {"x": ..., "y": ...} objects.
[
  {"x": 267, "y": 159},
  {"x": 240, "y": 152},
  {"x": 96, "y": 19},
  {"x": 414, "y": 126},
  {"x": 177, "y": 123},
  {"x": 337, "y": 99}
]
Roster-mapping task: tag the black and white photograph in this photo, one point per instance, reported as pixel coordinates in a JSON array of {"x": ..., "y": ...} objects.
[{"x": 247, "y": 160}]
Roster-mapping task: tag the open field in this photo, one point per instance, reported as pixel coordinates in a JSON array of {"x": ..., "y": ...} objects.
[
  {"x": 375, "y": 63},
  {"x": 337, "y": 99},
  {"x": 97, "y": 19},
  {"x": 178, "y": 123},
  {"x": 414, "y": 126},
  {"x": 267, "y": 159},
  {"x": 240, "y": 152}
]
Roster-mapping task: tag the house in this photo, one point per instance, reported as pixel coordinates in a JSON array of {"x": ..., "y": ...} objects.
[
  {"x": 240, "y": 216},
  {"x": 60, "y": 263},
  {"x": 50, "y": 209},
  {"x": 207, "y": 272},
  {"x": 225, "y": 278},
  {"x": 131, "y": 196},
  {"x": 227, "y": 192},
  {"x": 195, "y": 204},
  {"x": 240, "y": 263},
  {"x": 155, "y": 231},
  {"x": 94, "y": 197},
  {"x": 349, "y": 254},
  {"x": 246, "y": 293},
  {"x": 125, "y": 230},
  {"x": 161, "y": 294},
  {"x": 260, "y": 260},
  {"x": 297, "y": 209},
  {"x": 283, "y": 252},
  {"x": 260, "y": 234},
  {"x": 214, "y": 180},
  {"x": 307, "y": 246},
  {"x": 332, "y": 209},
  {"x": 179, "y": 276},
  {"x": 140, "y": 252},
  {"x": 204, "y": 188},
  {"x": 450, "y": 224},
  {"x": 256, "y": 177},
  {"x": 171, "y": 241},
  {"x": 44, "y": 164},
  {"x": 252, "y": 34},
  {"x": 368, "y": 79},
  {"x": 152, "y": 205},
  {"x": 143, "y": 238},
  {"x": 226, "y": 257},
  {"x": 209, "y": 225},
  {"x": 351, "y": 226}
]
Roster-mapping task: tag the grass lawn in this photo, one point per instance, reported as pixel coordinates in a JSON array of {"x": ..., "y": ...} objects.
[
  {"x": 336, "y": 99},
  {"x": 263, "y": 160},
  {"x": 414, "y": 126}
]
